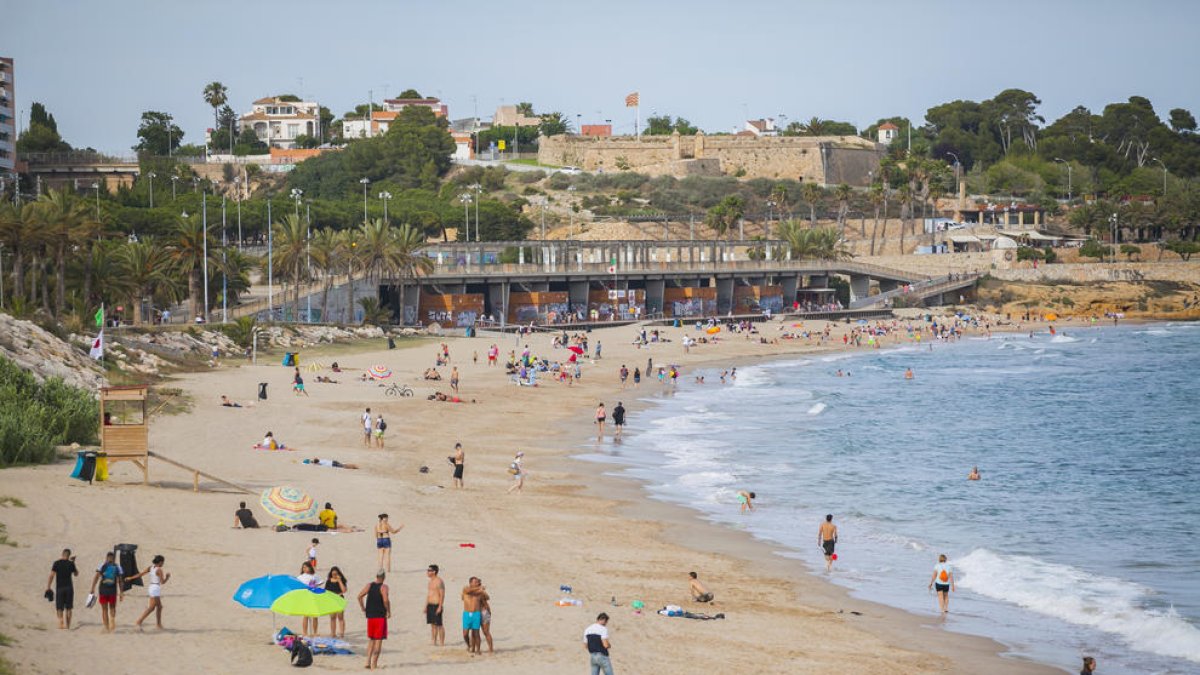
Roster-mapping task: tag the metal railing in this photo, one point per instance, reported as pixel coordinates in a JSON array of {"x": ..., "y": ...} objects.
[{"x": 921, "y": 289}]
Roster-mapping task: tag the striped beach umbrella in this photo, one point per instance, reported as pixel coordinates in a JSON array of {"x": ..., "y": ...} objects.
[
  {"x": 380, "y": 372},
  {"x": 288, "y": 503}
]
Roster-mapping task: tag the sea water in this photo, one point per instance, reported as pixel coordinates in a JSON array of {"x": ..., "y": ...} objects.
[{"x": 1081, "y": 538}]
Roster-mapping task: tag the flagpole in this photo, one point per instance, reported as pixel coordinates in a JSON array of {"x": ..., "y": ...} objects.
[{"x": 204, "y": 212}]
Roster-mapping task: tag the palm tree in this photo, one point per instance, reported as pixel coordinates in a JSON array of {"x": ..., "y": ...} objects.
[
  {"x": 878, "y": 199},
  {"x": 811, "y": 194},
  {"x": 842, "y": 194},
  {"x": 215, "y": 94},
  {"x": 61, "y": 216},
  {"x": 373, "y": 312},
  {"x": 525, "y": 108},
  {"x": 187, "y": 248},
  {"x": 410, "y": 262},
  {"x": 328, "y": 254},
  {"x": 18, "y": 233},
  {"x": 376, "y": 249},
  {"x": 353, "y": 262},
  {"x": 291, "y": 253},
  {"x": 809, "y": 243},
  {"x": 905, "y": 196},
  {"x": 146, "y": 267},
  {"x": 779, "y": 195}
]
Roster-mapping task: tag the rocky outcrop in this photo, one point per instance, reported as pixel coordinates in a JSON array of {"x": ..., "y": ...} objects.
[{"x": 44, "y": 355}]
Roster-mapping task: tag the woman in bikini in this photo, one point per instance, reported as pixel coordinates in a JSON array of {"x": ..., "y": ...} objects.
[
  {"x": 600, "y": 417},
  {"x": 336, "y": 583},
  {"x": 383, "y": 541},
  {"x": 155, "y": 578}
]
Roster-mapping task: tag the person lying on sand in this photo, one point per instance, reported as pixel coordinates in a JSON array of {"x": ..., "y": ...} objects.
[
  {"x": 332, "y": 463},
  {"x": 229, "y": 404},
  {"x": 439, "y": 396},
  {"x": 326, "y": 380}
]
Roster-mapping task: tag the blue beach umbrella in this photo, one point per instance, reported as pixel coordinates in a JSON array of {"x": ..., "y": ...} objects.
[{"x": 260, "y": 592}]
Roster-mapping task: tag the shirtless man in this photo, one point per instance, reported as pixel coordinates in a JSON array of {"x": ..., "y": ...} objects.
[
  {"x": 458, "y": 459},
  {"x": 473, "y": 597},
  {"x": 699, "y": 592},
  {"x": 827, "y": 539},
  {"x": 974, "y": 475},
  {"x": 435, "y": 600}
]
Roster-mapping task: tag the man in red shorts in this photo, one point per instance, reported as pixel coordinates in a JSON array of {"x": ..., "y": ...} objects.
[
  {"x": 110, "y": 578},
  {"x": 375, "y": 602}
]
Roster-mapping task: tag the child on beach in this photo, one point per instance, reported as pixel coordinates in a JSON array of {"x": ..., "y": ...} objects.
[
  {"x": 746, "y": 500},
  {"x": 312, "y": 553}
]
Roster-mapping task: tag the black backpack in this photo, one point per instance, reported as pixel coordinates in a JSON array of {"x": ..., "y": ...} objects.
[
  {"x": 301, "y": 654},
  {"x": 382, "y": 425}
]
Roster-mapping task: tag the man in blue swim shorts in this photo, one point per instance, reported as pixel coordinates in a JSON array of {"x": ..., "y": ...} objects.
[{"x": 473, "y": 597}]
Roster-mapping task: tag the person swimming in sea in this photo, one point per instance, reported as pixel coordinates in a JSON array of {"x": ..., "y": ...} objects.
[
  {"x": 974, "y": 475},
  {"x": 908, "y": 374}
]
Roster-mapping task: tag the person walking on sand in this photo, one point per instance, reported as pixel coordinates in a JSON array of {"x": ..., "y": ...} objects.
[
  {"x": 435, "y": 605},
  {"x": 618, "y": 417},
  {"x": 383, "y": 541},
  {"x": 376, "y": 603},
  {"x": 517, "y": 469},
  {"x": 61, "y": 572},
  {"x": 366, "y": 425},
  {"x": 155, "y": 578},
  {"x": 473, "y": 595},
  {"x": 109, "y": 576},
  {"x": 827, "y": 535},
  {"x": 943, "y": 580},
  {"x": 595, "y": 639},
  {"x": 454, "y": 379},
  {"x": 746, "y": 500},
  {"x": 380, "y": 429},
  {"x": 458, "y": 458},
  {"x": 600, "y": 417}
]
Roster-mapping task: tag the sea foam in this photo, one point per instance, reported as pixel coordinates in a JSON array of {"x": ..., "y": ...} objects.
[{"x": 1079, "y": 597}]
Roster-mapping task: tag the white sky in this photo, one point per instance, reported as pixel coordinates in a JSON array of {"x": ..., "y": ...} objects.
[{"x": 98, "y": 65}]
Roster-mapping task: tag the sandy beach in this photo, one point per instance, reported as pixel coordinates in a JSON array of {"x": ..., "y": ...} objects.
[{"x": 570, "y": 525}]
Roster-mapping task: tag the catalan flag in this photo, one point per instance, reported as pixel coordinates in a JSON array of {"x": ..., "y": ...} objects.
[{"x": 631, "y": 101}]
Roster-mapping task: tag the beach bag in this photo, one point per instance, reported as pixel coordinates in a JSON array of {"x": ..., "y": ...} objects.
[
  {"x": 382, "y": 425},
  {"x": 301, "y": 654}
]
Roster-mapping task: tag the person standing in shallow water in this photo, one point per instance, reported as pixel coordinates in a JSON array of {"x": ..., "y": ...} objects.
[
  {"x": 827, "y": 536},
  {"x": 600, "y": 417},
  {"x": 943, "y": 581}
]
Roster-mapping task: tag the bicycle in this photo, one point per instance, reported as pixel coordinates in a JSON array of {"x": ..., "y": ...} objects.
[{"x": 398, "y": 389}]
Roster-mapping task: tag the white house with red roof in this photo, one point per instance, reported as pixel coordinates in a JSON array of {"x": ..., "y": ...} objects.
[
  {"x": 887, "y": 132},
  {"x": 277, "y": 122},
  {"x": 763, "y": 127}
]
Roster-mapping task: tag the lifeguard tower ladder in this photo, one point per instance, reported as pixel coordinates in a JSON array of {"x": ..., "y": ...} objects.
[{"x": 124, "y": 429}]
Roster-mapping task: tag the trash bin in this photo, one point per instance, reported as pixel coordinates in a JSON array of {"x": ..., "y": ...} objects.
[
  {"x": 289, "y": 359},
  {"x": 85, "y": 465},
  {"x": 262, "y": 391},
  {"x": 127, "y": 559},
  {"x": 676, "y": 323},
  {"x": 101, "y": 466}
]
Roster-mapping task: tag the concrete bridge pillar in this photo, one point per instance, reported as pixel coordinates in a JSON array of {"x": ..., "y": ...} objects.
[
  {"x": 520, "y": 255},
  {"x": 497, "y": 300},
  {"x": 410, "y": 305},
  {"x": 654, "y": 295},
  {"x": 790, "y": 285},
  {"x": 860, "y": 286},
  {"x": 577, "y": 293},
  {"x": 724, "y": 295}
]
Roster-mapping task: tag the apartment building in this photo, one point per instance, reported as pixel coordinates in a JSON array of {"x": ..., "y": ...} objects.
[{"x": 8, "y": 117}]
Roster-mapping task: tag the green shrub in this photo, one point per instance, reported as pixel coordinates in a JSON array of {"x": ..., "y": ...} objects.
[{"x": 35, "y": 417}]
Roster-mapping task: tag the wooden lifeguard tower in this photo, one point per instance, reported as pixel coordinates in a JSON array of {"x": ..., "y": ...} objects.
[{"x": 124, "y": 429}]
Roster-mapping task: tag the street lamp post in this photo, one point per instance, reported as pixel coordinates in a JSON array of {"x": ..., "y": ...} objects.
[
  {"x": 174, "y": 179},
  {"x": 308, "y": 257},
  {"x": 151, "y": 176},
  {"x": 270, "y": 265},
  {"x": 224, "y": 268},
  {"x": 297, "y": 193},
  {"x": 204, "y": 212},
  {"x": 365, "y": 182},
  {"x": 96, "y": 187},
  {"x": 478, "y": 189},
  {"x": 465, "y": 198},
  {"x": 1068, "y": 165},
  {"x": 385, "y": 196},
  {"x": 1164, "y": 168},
  {"x": 238, "y": 182}
]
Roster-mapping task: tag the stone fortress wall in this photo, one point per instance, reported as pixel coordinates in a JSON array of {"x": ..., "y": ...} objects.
[{"x": 827, "y": 160}]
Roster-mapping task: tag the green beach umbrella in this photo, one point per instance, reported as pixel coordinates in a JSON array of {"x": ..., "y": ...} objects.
[{"x": 304, "y": 602}]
